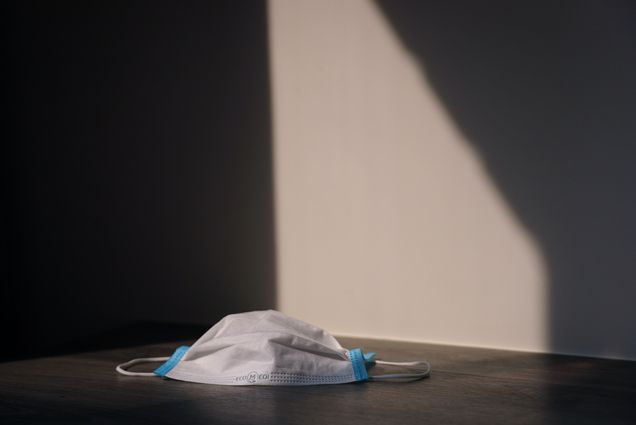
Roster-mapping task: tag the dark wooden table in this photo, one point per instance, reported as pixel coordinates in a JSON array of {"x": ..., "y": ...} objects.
[{"x": 467, "y": 386}]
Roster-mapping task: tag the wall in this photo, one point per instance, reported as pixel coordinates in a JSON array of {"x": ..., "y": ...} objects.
[
  {"x": 450, "y": 173},
  {"x": 138, "y": 167}
]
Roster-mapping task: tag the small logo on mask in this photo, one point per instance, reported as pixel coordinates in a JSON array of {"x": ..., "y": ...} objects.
[{"x": 252, "y": 377}]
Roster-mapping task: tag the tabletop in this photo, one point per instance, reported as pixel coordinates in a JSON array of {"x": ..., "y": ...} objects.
[{"x": 466, "y": 386}]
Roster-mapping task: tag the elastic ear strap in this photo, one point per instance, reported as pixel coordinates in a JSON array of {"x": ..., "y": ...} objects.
[
  {"x": 403, "y": 376},
  {"x": 122, "y": 367}
]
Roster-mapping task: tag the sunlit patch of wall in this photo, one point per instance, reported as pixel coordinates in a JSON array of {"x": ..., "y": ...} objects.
[{"x": 387, "y": 224}]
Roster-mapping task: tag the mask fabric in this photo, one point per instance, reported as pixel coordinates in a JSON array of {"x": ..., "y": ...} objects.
[{"x": 270, "y": 348}]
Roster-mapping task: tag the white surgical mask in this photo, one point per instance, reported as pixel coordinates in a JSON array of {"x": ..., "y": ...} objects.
[{"x": 270, "y": 348}]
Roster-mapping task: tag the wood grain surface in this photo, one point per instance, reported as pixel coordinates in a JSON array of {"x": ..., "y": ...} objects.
[{"x": 467, "y": 386}]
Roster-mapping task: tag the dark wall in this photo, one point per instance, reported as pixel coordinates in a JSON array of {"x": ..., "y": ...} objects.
[
  {"x": 138, "y": 166},
  {"x": 546, "y": 93}
]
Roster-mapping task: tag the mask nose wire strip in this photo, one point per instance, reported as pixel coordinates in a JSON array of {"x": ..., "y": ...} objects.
[
  {"x": 406, "y": 376},
  {"x": 122, "y": 367}
]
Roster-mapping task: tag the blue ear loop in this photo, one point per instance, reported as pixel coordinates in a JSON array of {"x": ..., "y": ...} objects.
[
  {"x": 360, "y": 362},
  {"x": 172, "y": 361}
]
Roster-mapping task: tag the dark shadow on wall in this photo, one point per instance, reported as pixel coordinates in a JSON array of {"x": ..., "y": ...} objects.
[
  {"x": 138, "y": 167},
  {"x": 132, "y": 334},
  {"x": 546, "y": 92}
]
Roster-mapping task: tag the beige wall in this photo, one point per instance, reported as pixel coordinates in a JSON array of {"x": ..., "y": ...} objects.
[{"x": 387, "y": 224}]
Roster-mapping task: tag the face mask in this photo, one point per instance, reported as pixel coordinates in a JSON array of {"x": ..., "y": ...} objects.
[{"x": 270, "y": 348}]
